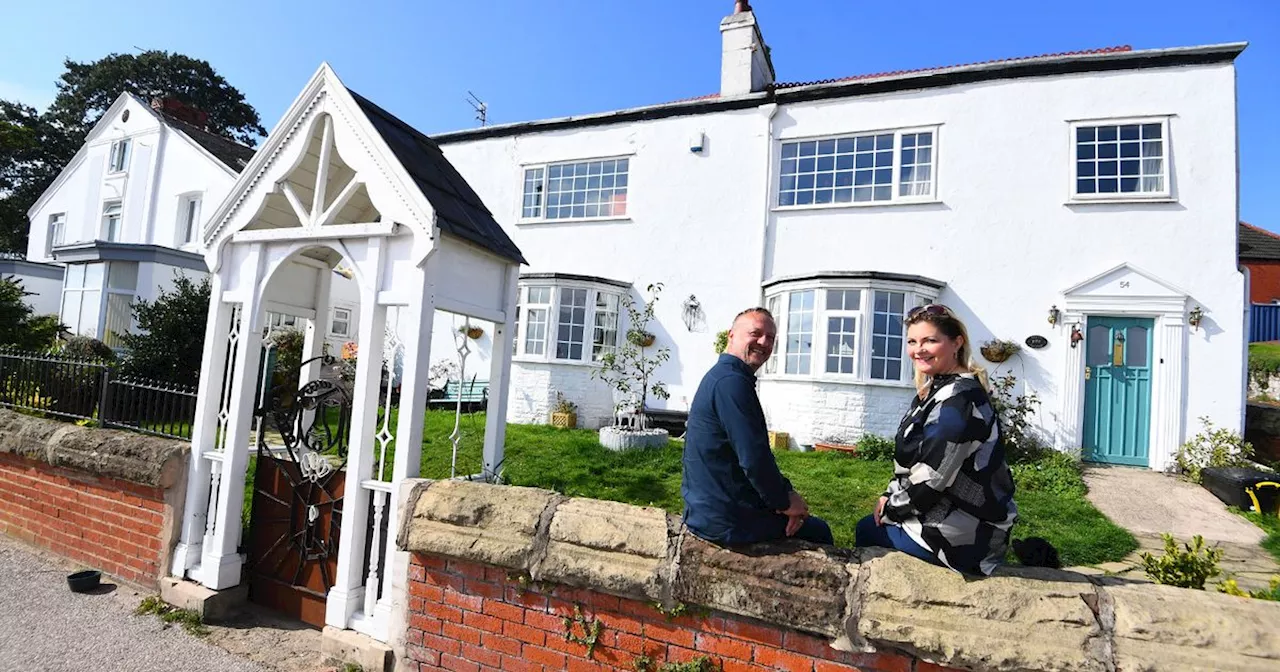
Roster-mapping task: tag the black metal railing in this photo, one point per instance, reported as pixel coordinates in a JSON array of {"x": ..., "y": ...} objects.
[{"x": 89, "y": 389}]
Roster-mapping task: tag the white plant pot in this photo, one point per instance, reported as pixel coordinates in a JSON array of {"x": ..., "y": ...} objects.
[{"x": 615, "y": 438}]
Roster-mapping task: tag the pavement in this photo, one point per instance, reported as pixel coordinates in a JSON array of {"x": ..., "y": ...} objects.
[
  {"x": 45, "y": 626},
  {"x": 1149, "y": 503}
]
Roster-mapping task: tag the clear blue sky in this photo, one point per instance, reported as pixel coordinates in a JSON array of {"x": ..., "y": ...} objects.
[{"x": 545, "y": 58}]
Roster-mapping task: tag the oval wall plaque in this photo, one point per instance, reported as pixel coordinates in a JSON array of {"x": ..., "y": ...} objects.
[{"x": 1037, "y": 342}]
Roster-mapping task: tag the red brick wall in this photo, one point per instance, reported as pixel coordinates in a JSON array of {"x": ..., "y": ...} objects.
[
  {"x": 465, "y": 616},
  {"x": 103, "y": 523},
  {"x": 1264, "y": 280}
]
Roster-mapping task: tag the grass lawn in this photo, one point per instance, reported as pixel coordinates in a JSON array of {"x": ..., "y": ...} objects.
[
  {"x": 1269, "y": 524},
  {"x": 838, "y": 488}
]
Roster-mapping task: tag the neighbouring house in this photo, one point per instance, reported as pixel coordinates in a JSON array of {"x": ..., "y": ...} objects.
[
  {"x": 123, "y": 218},
  {"x": 1260, "y": 253},
  {"x": 1049, "y": 200},
  {"x": 42, "y": 281}
]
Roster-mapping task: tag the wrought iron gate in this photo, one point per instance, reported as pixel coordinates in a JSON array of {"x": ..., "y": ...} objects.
[{"x": 298, "y": 490}]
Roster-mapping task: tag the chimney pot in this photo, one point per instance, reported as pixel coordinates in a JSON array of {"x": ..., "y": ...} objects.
[{"x": 740, "y": 6}]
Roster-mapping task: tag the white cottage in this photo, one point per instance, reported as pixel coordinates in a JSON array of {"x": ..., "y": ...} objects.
[{"x": 1083, "y": 205}]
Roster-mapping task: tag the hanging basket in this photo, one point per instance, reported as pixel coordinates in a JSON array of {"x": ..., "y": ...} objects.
[
  {"x": 999, "y": 351},
  {"x": 474, "y": 333},
  {"x": 643, "y": 339}
]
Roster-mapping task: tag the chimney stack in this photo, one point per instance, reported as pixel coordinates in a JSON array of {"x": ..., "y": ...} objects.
[
  {"x": 179, "y": 110},
  {"x": 745, "y": 66}
]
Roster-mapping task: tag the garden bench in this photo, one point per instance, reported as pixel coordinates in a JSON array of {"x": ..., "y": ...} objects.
[{"x": 472, "y": 393}]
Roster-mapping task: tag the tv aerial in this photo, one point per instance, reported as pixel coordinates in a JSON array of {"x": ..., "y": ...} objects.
[{"x": 481, "y": 107}]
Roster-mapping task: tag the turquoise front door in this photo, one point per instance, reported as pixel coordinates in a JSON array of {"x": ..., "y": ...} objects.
[{"x": 1117, "y": 390}]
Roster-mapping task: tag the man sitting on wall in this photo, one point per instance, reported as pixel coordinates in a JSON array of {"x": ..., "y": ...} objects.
[{"x": 733, "y": 491}]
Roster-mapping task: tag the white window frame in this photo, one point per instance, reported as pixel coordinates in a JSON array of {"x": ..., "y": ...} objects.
[
  {"x": 118, "y": 158},
  {"x": 895, "y": 197},
  {"x": 343, "y": 315},
  {"x": 107, "y": 212},
  {"x": 1165, "y": 194},
  {"x": 859, "y": 324},
  {"x": 540, "y": 215},
  {"x": 915, "y": 294},
  {"x": 57, "y": 232},
  {"x": 551, "y": 334},
  {"x": 189, "y": 206}
]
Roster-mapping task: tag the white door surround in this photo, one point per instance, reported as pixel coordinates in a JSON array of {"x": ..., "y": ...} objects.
[{"x": 1130, "y": 292}]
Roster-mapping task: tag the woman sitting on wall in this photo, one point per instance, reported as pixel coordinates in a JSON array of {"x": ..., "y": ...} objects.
[{"x": 951, "y": 498}]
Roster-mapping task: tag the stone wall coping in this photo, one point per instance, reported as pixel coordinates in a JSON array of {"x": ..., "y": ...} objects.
[
  {"x": 127, "y": 456},
  {"x": 868, "y": 600}
]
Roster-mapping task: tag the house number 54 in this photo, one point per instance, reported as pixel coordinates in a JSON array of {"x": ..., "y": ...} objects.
[{"x": 1124, "y": 284}]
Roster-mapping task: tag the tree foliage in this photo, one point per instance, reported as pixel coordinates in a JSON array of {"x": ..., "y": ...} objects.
[
  {"x": 170, "y": 338},
  {"x": 35, "y": 146}
]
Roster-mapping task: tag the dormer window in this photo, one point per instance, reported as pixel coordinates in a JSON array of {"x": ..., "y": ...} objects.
[{"x": 119, "y": 156}]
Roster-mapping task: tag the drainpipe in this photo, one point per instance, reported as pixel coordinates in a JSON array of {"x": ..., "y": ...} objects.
[
  {"x": 770, "y": 110},
  {"x": 153, "y": 189}
]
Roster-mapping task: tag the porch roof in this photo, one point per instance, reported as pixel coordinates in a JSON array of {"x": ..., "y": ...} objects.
[{"x": 459, "y": 211}]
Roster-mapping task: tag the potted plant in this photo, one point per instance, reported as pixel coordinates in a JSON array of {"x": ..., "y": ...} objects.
[
  {"x": 472, "y": 331},
  {"x": 629, "y": 371},
  {"x": 779, "y": 440},
  {"x": 564, "y": 413},
  {"x": 834, "y": 443},
  {"x": 997, "y": 351}
]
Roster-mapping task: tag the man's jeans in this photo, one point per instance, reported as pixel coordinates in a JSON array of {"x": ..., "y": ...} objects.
[{"x": 814, "y": 529}]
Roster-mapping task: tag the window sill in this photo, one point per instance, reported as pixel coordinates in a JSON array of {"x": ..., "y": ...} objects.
[
  {"x": 842, "y": 206},
  {"x": 839, "y": 380},
  {"x": 572, "y": 220},
  {"x": 1121, "y": 200},
  {"x": 528, "y": 359}
]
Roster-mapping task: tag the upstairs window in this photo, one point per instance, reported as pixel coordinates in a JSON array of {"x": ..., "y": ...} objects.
[
  {"x": 111, "y": 220},
  {"x": 119, "y": 159},
  {"x": 578, "y": 190},
  {"x": 1121, "y": 160},
  {"x": 340, "y": 325},
  {"x": 57, "y": 232},
  {"x": 188, "y": 218},
  {"x": 884, "y": 167}
]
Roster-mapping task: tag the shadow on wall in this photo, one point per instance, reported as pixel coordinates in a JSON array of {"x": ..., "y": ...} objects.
[{"x": 1027, "y": 368}]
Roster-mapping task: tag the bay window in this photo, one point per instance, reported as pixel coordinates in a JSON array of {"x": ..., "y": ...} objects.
[
  {"x": 568, "y": 318},
  {"x": 845, "y": 326}
]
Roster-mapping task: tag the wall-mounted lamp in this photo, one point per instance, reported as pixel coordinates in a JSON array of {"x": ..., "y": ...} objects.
[
  {"x": 1054, "y": 313},
  {"x": 1076, "y": 335},
  {"x": 1195, "y": 317}
]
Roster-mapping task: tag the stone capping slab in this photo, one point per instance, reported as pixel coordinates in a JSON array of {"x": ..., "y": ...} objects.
[
  {"x": 127, "y": 456},
  {"x": 1018, "y": 619},
  {"x": 1213, "y": 631}
]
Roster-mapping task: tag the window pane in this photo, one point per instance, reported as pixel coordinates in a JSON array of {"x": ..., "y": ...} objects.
[
  {"x": 535, "y": 331},
  {"x": 597, "y": 189},
  {"x": 823, "y": 170},
  {"x": 841, "y": 344},
  {"x": 773, "y": 304},
  {"x": 1139, "y": 150},
  {"x": 572, "y": 323},
  {"x": 799, "y": 331},
  {"x": 1098, "y": 346},
  {"x": 886, "y": 337},
  {"x": 604, "y": 333},
  {"x": 532, "y": 193},
  {"x": 1135, "y": 347}
]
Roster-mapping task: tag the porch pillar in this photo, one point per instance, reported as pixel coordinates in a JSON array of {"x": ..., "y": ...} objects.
[
  {"x": 204, "y": 430},
  {"x": 221, "y": 561},
  {"x": 1169, "y": 412},
  {"x": 347, "y": 594},
  {"x": 495, "y": 427},
  {"x": 1071, "y": 415},
  {"x": 419, "y": 320}
]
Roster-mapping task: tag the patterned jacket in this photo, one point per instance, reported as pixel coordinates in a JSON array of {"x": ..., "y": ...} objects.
[{"x": 952, "y": 491}]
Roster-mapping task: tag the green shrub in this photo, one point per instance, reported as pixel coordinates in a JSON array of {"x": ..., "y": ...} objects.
[
  {"x": 1272, "y": 594},
  {"x": 1213, "y": 447},
  {"x": 1054, "y": 472},
  {"x": 1188, "y": 568},
  {"x": 875, "y": 448},
  {"x": 85, "y": 347},
  {"x": 1015, "y": 412},
  {"x": 722, "y": 341},
  {"x": 1264, "y": 362}
]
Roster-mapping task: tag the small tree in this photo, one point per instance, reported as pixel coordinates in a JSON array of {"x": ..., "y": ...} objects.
[
  {"x": 170, "y": 340},
  {"x": 628, "y": 369}
]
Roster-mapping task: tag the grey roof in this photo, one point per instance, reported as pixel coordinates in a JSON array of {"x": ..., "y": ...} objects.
[
  {"x": 459, "y": 211},
  {"x": 231, "y": 153},
  {"x": 1256, "y": 243}
]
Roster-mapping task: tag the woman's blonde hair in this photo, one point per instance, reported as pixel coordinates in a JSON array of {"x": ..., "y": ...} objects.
[{"x": 952, "y": 327}]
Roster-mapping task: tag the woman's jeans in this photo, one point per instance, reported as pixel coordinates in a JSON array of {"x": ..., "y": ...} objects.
[{"x": 889, "y": 536}]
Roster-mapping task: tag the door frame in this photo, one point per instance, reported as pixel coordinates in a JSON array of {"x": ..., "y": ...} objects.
[
  {"x": 1151, "y": 361},
  {"x": 1126, "y": 291}
]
